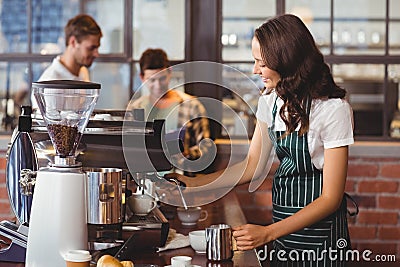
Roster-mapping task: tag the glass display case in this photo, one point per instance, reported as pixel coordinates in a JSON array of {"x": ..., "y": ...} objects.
[
  {"x": 394, "y": 27},
  {"x": 374, "y": 103},
  {"x": 359, "y": 39},
  {"x": 109, "y": 15},
  {"x": 150, "y": 19},
  {"x": 239, "y": 19}
]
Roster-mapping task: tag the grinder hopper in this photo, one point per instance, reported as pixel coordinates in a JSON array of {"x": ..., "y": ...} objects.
[{"x": 66, "y": 107}]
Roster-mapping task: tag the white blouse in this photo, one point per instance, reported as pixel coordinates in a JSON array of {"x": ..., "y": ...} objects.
[{"x": 331, "y": 124}]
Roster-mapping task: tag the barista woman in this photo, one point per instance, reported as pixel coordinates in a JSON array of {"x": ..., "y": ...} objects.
[{"x": 303, "y": 115}]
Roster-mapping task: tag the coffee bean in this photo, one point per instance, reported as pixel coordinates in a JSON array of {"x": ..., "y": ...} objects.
[{"x": 64, "y": 138}]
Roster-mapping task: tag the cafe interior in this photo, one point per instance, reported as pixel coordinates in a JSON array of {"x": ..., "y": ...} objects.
[{"x": 360, "y": 41}]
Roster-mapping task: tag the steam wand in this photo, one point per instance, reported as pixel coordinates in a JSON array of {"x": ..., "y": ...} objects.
[{"x": 178, "y": 184}]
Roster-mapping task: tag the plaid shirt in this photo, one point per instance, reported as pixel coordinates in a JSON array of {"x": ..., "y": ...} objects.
[{"x": 191, "y": 114}]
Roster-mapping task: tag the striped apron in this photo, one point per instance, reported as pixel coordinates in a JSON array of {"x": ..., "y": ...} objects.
[{"x": 297, "y": 182}]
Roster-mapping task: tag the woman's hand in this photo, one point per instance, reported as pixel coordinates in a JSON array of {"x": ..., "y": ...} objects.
[{"x": 250, "y": 236}]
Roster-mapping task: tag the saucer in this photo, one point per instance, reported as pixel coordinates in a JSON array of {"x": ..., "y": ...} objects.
[
  {"x": 141, "y": 214},
  {"x": 200, "y": 251},
  {"x": 189, "y": 223}
]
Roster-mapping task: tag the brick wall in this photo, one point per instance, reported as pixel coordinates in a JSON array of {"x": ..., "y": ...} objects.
[{"x": 5, "y": 209}]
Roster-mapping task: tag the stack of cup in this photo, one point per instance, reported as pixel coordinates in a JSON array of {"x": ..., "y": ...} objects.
[
  {"x": 181, "y": 261},
  {"x": 78, "y": 258}
]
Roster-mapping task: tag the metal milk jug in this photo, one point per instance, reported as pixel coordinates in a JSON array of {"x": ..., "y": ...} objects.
[{"x": 219, "y": 242}]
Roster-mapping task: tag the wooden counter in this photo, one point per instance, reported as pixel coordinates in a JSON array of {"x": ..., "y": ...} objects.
[
  {"x": 226, "y": 210},
  {"x": 11, "y": 264}
]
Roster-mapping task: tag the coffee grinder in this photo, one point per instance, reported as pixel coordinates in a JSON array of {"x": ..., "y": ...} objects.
[{"x": 58, "y": 221}]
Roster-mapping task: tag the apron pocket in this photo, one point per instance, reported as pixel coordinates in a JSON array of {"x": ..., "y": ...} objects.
[{"x": 309, "y": 238}]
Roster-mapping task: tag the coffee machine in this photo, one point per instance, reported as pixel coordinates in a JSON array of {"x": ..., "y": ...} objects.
[
  {"x": 58, "y": 219},
  {"x": 105, "y": 147}
]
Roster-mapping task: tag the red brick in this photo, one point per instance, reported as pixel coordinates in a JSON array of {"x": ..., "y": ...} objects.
[
  {"x": 377, "y": 186},
  {"x": 383, "y": 248},
  {"x": 5, "y": 208},
  {"x": 362, "y": 232},
  {"x": 389, "y": 233},
  {"x": 2, "y": 178},
  {"x": 350, "y": 186},
  {"x": 3, "y": 192},
  {"x": 390, "y": 170},
  {"x": 372, "y": 159},
  {"x": 3, "y": 163},
  {"x": 389, "y": 202},
  {"x": 364, "y": 201},
  {"x": 374, "y": 217},
  {"x": 398, "y": 252},
  {"x": 263, "y": 199},
  {"x": 363, "y": 170}
]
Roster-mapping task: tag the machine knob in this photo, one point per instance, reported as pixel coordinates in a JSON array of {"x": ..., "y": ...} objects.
[{"x": 27, "y": 181}]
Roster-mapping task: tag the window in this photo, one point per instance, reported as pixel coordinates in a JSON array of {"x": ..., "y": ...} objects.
[
  {"x": 150, "y": 18},
  {"x": 356, "y": 42},
  {"x": 32, "y": 34}
]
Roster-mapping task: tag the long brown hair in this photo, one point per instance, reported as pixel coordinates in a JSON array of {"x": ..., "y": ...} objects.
[{"x": 288, "y": 48}]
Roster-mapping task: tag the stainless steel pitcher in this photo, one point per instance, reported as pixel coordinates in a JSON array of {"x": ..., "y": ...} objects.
[
  {"x": 104, "y": 195},
  {"x": 219, "y": 242}
]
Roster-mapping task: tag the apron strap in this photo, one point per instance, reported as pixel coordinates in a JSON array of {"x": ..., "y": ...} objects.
[{"x": 355, "y": 205}]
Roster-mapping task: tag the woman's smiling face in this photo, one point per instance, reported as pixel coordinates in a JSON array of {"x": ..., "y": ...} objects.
[{"x": 269, "y": 77}]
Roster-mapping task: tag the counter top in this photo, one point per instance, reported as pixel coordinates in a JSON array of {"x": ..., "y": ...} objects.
[{"x": 226, "y": 210}]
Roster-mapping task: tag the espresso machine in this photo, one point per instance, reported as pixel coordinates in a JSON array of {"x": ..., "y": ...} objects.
[{"x": 116, "y": 157}]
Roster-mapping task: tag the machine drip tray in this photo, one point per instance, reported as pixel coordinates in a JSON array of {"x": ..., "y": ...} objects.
[
  {"x": 154, "y": 228},
  {"x": 13, "y": 241},
  {"x": 104, "y": 232},
  {"x": 123, "y": 241},
  {"x": 149, "y": 221}
]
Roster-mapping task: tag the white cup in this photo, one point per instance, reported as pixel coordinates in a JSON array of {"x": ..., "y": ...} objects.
[
  {"x": 198, "y": 241},
  {"x": 141, "y": 204},
  {"x": 191, "y": 215},
  {"x": 77, "y": 258},
  {"x": 181, "y": 261},
  {"x": 104, "y": 117}
]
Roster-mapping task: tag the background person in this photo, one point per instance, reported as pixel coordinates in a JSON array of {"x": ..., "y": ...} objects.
[
  {"x": 82, "y": 40},
  {"x": 303, "y": 115},
  {"x": 177, "y": 108}
]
